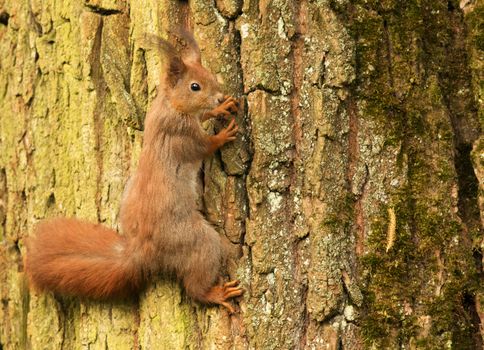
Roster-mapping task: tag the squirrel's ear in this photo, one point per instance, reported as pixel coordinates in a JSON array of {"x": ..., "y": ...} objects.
[
  {"x": 176, "y": 70},
  {"x": 175, "y": 66},
  {"x": 192, "y": 51}
]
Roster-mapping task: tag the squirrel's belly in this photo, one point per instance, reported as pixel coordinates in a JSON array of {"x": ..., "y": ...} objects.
[{"x": 187, "y": 181}]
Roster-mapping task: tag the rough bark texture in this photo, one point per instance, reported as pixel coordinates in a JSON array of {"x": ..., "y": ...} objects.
[{"x": 354, "y": 189}]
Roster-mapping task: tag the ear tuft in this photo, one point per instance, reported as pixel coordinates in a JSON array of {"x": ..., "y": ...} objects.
[
  {"x": 175, "y": 66},
  {"x": 151, "y": 41},
  {"x": 192, "y": 52}
]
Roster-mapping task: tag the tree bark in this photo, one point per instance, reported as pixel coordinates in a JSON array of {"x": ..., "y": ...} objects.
[{"x": 354, "y": 190}]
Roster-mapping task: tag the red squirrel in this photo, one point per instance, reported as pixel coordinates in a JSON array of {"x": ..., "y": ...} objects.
[{"x": 163, "y": 230}]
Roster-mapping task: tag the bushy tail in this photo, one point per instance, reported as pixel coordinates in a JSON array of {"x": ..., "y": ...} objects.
[{"x": 78, "y": 258}]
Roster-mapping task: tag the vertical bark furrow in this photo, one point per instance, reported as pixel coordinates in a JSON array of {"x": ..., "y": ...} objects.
[{"x": 100, "y": 88}]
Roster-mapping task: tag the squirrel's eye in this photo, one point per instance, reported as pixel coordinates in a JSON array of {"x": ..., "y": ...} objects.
[{"x": 195, "y": 87}]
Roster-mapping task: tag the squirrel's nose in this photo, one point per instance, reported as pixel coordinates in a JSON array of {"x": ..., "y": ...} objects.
[{"x": 220, "y": 98}]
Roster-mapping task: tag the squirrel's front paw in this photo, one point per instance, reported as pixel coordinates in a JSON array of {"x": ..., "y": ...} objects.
[
  {"x": 228, "y": 107},
  {"x": 228, "y": 134},
  {"x": 224, "y": 136}
]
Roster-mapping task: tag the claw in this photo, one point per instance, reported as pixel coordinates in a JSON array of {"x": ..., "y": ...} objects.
[
  {"x": 228, "y": 306},
  {"x": 232, "y": 128},
  {"x": 232, "y": 107},
  {"x": 236, "y": 293},
  {"x": 232, "y": 289},
  {"x": 231, "y": 124},
  {"x": 231, "y": 283}
]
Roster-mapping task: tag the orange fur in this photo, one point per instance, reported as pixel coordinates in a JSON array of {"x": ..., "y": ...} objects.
[
  {"x": 163, "y": 229},
  {"x": 73, "y": 257}
]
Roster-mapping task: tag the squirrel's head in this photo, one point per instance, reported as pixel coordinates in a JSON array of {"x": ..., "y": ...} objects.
[{"x": 190, "y": 88}]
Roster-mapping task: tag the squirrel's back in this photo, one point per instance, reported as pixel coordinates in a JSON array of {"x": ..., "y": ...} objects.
[{"x": 74, "y": 257}]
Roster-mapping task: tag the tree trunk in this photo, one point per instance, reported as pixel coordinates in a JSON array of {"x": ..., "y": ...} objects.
[{"x": 352, "y": 189}]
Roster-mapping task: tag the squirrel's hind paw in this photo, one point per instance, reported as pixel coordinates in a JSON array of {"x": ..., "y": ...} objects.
[{"x": 220, "y": 294}]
